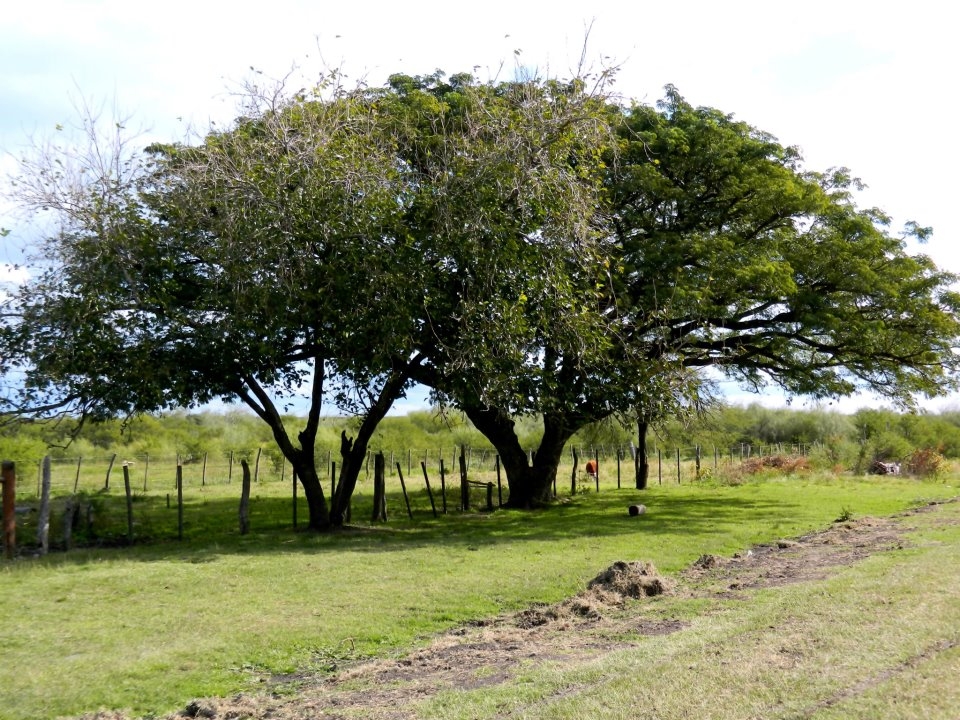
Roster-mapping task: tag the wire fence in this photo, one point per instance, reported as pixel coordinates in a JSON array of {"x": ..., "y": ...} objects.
[{"x": 114, "y": 499}]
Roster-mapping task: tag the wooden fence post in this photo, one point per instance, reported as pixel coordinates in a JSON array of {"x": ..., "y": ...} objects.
[
  {"x": 230, "y": 468},
  {"x": 179, "y": 500},
  {"x": 464, "y": 487},
  {"x": 678, "y": 466},
  {"x": 500, "y": 486},
  {"x": 76, "y": 479},
  {"x": 146, "y": 469},
  {"x": 256, "y": 467},
  {"x": 106, "y": 484},
  {"x": 379, "y": 489},
  {"x": 573, "y": 473},
  {"x": 203, "y": 472},
  {"x": 596, "y": 459},
  {"x": 245, "y": 498},
  {"x": 43, "y": 521},
  {"x": 294, "y": 498},
  {"x": 426, "y": 480},
  {"x": 443, "y": 484},
  {"x": 9, "y": 475},
  {"x": 403, "y": 488},
  {"x": 659, "y": 467},
  {"x": 129, "y": 497}
]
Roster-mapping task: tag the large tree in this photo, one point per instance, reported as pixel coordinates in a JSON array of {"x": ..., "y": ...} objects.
[
  {"x": 725, "y": 253},
  {"x": 324, "y": 244}
]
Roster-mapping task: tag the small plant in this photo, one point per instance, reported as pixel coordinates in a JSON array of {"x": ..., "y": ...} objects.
[{"x": 846, "y": 514}]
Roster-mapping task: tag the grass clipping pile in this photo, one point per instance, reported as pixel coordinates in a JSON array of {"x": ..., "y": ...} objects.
[{"x": 596, "y": 621}]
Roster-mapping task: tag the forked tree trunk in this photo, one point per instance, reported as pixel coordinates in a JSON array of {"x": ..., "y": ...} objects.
[{"x": 530, "y": 484}]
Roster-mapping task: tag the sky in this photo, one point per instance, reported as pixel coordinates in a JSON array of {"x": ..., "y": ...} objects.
[{"x": 866, "y": 85}]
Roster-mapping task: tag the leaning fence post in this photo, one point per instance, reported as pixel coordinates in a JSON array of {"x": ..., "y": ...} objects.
[
  {"x": 106, "y": 484},
  {"x": 43, "y": 522},
  {"x": 76, "y": 480},
  {"x": 9, "y": 475},
  {"x": 403, "y": 487},
  {"x": 426, "y": 480}
]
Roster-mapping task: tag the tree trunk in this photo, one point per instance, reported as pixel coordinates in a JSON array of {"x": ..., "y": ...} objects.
[
  {"x": 641, "y": 463},
  {"x": 530, "y": 484},
  {"x": 306, "y": 468}
]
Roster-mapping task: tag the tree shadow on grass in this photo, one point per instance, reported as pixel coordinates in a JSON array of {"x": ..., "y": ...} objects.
[{"x": 211, "y": 523}]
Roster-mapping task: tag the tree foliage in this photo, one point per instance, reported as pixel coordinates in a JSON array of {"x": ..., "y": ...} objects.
[{"x": 326, "y": 243}]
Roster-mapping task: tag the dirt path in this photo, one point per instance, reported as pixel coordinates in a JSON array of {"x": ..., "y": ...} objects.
[{"x": 578, "y": 629}]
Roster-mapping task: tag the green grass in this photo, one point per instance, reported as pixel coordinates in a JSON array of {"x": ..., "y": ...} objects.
[
  {"x": 877, "y": 639},
  {"x": 148, "y": 627}
]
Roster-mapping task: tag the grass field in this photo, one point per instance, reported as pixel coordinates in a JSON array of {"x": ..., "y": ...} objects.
[{"x": 147, "y": 627}]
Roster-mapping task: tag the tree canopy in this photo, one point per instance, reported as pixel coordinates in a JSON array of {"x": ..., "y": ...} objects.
[{"x": 324, "y": 243}]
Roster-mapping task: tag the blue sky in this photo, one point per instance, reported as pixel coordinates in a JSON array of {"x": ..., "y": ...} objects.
[{"x": 867, "y": 85}]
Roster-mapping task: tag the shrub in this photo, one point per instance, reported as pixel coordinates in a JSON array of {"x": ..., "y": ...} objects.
[{"x": 925, "y": 462}]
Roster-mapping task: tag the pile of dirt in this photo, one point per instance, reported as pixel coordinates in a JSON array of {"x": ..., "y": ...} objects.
[{"x": 630, "y": 580}]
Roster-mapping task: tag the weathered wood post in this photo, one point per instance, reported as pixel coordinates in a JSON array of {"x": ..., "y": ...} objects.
[
  {"x": 698, "y": 462},
  {"x": 678, "y": 466},
  {"x": 146, "y": 469},
  {"x": 69, "y": 518},
  {"x": 9, "y": 476},
  {"x": 500, "y": 486},
  {"x": 256, "y": 467},
  {"x": 230, "y": 468},
  {"x": 426, "y": 481},
  {"x": 245, "y": 498},
  {"x": 76, "y": 479},
  {"x": 179, "y": 500},
  {"x": 573, "y": 473},
  {"x": 379, "y": 489},
  {"x": 619, "y": 452},
  {"x": 43, "y": 521},
  {"x": 294, "y": 498},
  {"x": 596, "y": 459},
  {"x": 129, "y": 498},
  {"x": 443, "y": 484},
  {"x": 403, "y": 488},
  {"x": 106, "y": 484},
  {"x": 203, "y": 472},
  {"x": 659, "y": 467},
  {"x": 464, "y": 486}
]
